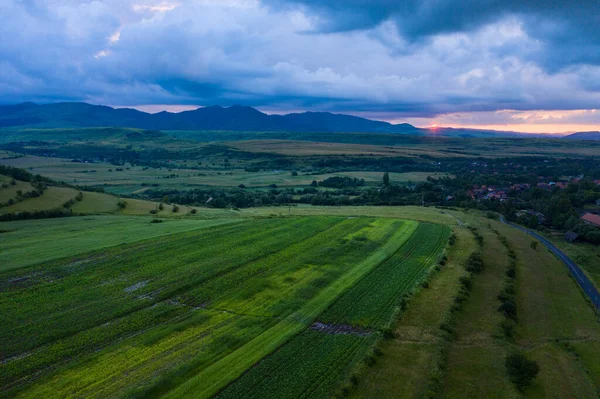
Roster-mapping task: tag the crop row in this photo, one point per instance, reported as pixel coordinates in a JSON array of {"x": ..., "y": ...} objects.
[
  {"x": 305, "y": 367},
  {"x": 310, "y": 364},
  {"x": 90, "y": 297},
  {"x": 249, "y": 278},
  {"x": 371, "y": 302},
  {"x": 217, "y": 376},
  {"x": 63, "y": 298}
]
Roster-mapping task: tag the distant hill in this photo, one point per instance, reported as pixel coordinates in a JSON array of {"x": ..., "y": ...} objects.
[
  {"x": 583, "y": 136},
  {"x": 235, "y": 118}
]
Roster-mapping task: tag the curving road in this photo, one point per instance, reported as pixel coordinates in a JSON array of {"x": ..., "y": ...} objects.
[{"x": 582, "y": 280}]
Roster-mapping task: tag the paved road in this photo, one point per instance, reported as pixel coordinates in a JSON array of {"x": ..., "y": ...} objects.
[{"x": 584, "y": 282}]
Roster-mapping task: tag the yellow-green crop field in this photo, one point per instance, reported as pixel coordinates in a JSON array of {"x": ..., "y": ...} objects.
[{"x": 256, "y": 307}]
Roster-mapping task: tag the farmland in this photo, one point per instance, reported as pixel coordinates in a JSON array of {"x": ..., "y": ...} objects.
[
  {"x": 222, "y": 270},
  {"x": 166, "y": 315},
  {"x": 279, "y": 302},
  {"x": 129, "y": 179}
]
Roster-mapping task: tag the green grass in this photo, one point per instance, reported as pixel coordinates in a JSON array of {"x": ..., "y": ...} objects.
[
  {"x": 187, "y": 312},
  {"x": 216, "y": 377},
  {"x": 114, "y": 306},
  {"x": 29, "y": 242},
  {"x": 375, "y": 296},
  {"x": 413, "y": 354},
  {"x": 308, "y": 366},
  {"x": 94, "y": 203},
  {"x": 136, "y": 179},
  {"x": 372, "y": 302},
  {"x": 477, "y": 355},
  {"x": 419, "y": 213},
  {"x": 53, "y": 197},
  {"x": 10, "y": 192}
]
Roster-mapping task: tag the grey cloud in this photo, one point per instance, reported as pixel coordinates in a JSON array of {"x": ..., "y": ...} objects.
[
  {"x": 570, "y": 30},
  {"x": 285, "y": 56}
]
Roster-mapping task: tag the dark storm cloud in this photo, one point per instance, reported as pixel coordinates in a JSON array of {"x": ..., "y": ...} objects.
[
  {"x": 408, "y": 58},
  {"x": 569, "y": 29}
]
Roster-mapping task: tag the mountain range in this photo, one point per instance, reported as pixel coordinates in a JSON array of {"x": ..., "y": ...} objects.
[{"x": 234, "y": 118}]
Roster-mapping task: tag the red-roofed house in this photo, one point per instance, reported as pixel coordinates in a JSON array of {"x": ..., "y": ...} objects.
[{"x": 592, "y": 219}]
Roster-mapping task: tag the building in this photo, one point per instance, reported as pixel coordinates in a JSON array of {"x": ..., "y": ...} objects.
[{"x": 592, "y": 219}]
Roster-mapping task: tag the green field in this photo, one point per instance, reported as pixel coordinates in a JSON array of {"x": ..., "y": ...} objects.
[
  {"x": 185, "y": 313},
  {"x": 95, "y": 203},
  {"x": 281, "y": 303},
  {"x": 135, "y": 179},
  {"x": 28, "y": 242}
]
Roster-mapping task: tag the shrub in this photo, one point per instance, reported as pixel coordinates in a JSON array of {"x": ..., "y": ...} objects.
[
  {"x": 122, "y": 204},
  {"x": 521, "y": 370},
  {"x": 492, "y": 215},
  {"x": 511, "y": 272},
  {"x": 475, "y": 263},
  {"x": 175, "y": 209},
  {"x": 466, "y": 282},
  {"x": 509, "y": 308},
  {"x": 193, "y": 211},
  {"x": 452, "y": 239},
  {"x": 156, "y": 221}
]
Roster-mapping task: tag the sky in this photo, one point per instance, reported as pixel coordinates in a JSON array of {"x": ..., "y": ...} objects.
[{"x": 523, "y": 65}]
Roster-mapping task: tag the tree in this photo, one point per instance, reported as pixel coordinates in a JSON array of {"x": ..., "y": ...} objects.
[
  {"x": 386, "y": 179},
  {"x": 534, "y": 245},
  {"x": 165, "y": 199},
  {"x": 521, "y": 370},
  {"x": 294, "y": 173}
]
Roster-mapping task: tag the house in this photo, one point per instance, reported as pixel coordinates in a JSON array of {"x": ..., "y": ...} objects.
[
  {"x": 571, "y": 236},
  {"x": 592, "y": 219}
]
